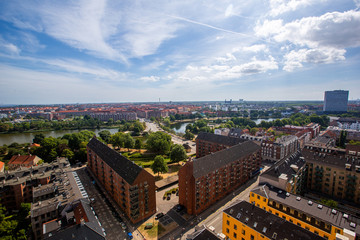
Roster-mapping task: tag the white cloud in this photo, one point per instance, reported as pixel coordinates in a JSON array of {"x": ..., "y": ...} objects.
[
  {"x": 294, "y": 59},
  {"x": 229, "y": 11},
  {"x": 357, "y": 3},
  {"x": 229, "y": 57},
  {"x": 336, "y": 30},
  {"x": 150, "y": 79},
  {"x": 268, "y": 28},
  {"x": 256, "y": 48},
  {"x": 282, "y": 6}
]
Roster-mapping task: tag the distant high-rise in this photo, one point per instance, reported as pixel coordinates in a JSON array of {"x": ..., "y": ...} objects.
[{"x": 336, "y": 101}]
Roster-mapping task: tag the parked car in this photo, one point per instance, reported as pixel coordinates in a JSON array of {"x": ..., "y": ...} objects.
[
  {"x": 159, "y": 215},
  {"x": 179, "y": 208}
]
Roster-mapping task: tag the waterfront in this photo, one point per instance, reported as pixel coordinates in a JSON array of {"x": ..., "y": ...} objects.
[
  {"x": 180, "y": 127},
  {"x": 21, "y": 138}
]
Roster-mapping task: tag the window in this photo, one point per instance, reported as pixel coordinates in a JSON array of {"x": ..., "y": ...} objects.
[
  {"x": 227, "y": 230},
  {"x": 284, "y": 217},
  {"x": 258, "y": 197},
  {"x": 292, "y": 211},
  {"x": 227, "y": 222},
  {"x": 290, "y": 220},
  {"x": 252, "y": 237},
  {"x": 308, "y": 218},
  {"x": 277, "y": 214},
  {"x": 307, "y": 228},
  {"x": 316, "y": 232},
  {"x": 264, "y": 199},
  {"x": 235, "y": 235},
  {"x": 243, "y": 232},
  {"x": 252, "y": 194},
  {"x": 235, "y": 227},
  {"x": 299, "y": 224}
]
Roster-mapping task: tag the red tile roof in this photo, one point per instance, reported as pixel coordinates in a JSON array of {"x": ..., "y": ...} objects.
[{"x": 21, "y": 159}]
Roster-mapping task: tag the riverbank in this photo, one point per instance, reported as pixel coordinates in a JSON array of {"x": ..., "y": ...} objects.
[
  {"x": 63, "y": 129},
  {"x": 27, "y": 137}
]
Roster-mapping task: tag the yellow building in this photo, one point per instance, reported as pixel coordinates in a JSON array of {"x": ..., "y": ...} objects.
[
  {"x": 245, "y": 221},
  {"x": 321, "y": 220}
]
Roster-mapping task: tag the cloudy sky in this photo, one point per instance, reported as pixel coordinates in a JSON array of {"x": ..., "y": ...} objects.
[{"x": 132, "y": 51}]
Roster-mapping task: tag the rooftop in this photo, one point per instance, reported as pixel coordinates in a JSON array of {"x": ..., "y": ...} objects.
[
  {"x": 329, "y": 156},
  {"x": 67, "y": 191},
  {"x": 203, "y": 234},
  {"x": 213, "y": 161},
  {"x": 20, "y": 175},
  {"x": 120, "y": 164},
  {"x": 267, "y": 224},
  {"x": 288, "y": 166},
  {"x": 314, "y": 209},
  {"x": 21, "y": 159},
  {"x": 228, "y": 141}
]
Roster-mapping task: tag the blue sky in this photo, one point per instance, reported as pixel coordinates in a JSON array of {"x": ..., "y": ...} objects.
[{"x": 133, "y": 51}]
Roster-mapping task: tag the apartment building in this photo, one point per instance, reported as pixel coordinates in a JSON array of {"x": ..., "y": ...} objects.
[
  {"x": 205, "y": 180},
  {"x": 288, "y": 174},
  {"x": 323, "y": 221},
  {"x": 132, "y": 187},
  {"x": 246, "y": 221},
  {"x": 77, "y": 221},
  {"x": 207, "y": 143},
  {"x": 17, "y": 186},
  {"x": 105, "y": 116},
  {"x": 280, "y": 148},
  {"x": 52, "y": 201},
  {"x": 18, "y": 161},
  {"x": 333, "y": 172}
]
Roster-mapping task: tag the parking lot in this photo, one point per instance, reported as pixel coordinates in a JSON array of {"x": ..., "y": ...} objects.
[{"x": 107, "y": 215}]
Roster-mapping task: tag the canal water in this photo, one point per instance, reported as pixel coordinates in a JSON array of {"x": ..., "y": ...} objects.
[{"x": 28, "y": 137}]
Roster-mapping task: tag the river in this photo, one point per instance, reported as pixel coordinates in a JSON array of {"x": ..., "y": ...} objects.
[
  {"x": 28, "y": 137},
  {"x": 179, "y": 127},
  {"x": 257, "y": 121}
]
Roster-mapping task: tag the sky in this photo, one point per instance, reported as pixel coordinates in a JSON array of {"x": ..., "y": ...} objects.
[{"x": 91, "y": 51}]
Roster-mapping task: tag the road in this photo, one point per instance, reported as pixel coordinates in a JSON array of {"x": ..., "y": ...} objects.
[{"x": 153, "y": 127}]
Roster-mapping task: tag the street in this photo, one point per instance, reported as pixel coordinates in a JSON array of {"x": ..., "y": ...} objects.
[{"x": 153, "y": 127}]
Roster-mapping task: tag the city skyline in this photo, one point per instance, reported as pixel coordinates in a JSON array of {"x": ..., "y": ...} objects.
[{"x": 104, "y": 51}]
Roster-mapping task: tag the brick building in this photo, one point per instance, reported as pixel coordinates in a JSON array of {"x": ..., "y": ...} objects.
[
  {"x": 17, "y": 186},
  {"x": 18, "y": 161},
  {"x": 333, "y": 172},
  {"x": 288, "y": 174},
  {"x": 280, "y": 148},
  {"x": 132, "y": 187},
  {"x": 207, "y": 143},
  {"x": 205, "y": 180}
]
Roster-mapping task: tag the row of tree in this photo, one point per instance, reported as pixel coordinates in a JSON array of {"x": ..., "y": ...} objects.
[{"x": 76, "y": 123}]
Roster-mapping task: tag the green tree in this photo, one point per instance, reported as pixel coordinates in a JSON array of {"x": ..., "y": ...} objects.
[
  {"x": 105, "y": 135},
  {"x": 178, "y": 153},
  {"x": 342, "y": 139},
  {"x": 68, "y": 154},
  {"x": 159, "y": 142},
  {"x": 38, "y": 138},
  {"x": 128, "y": 141},
  {"x": 138, "y": 144},
  {"x": 159, "y": 165},
  {"x": 117, "y": 140},
  {"x": 189, "y": 136}
]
